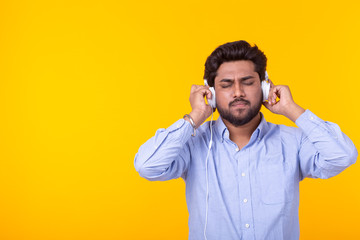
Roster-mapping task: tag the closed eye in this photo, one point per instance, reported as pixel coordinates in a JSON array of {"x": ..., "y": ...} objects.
[
  {"x": 248, "y": 83},
  {"x": 225, "y": 83}
]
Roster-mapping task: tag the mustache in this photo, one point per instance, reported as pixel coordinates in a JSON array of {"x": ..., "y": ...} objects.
[{"x": 239, "y": 100}]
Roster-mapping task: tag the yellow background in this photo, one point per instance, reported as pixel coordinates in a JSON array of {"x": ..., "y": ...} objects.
[{"x": 84, "y": 83}]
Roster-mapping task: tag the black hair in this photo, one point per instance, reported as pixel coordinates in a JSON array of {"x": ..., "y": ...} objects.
[{"x": 234, "y": 51}]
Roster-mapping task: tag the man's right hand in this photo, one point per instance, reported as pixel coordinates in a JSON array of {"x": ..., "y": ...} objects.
[{"x": 200, "y": 110}]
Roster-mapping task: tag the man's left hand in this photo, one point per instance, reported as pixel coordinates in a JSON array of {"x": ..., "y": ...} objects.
[{"x": 285, "y": 105}]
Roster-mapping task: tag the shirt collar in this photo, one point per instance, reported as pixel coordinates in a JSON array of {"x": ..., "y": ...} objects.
[{"x": 222, "y": 132}]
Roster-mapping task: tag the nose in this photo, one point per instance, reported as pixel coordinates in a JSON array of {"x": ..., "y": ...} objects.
[{"x": 239, "y": 90}]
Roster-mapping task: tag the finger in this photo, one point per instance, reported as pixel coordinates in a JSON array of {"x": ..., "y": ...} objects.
[
  {"x": 195, "y": 87},
  {"x": 209, "y": 94},
  {"x": 267, "y": 105},
  {"x": 204, "y": 91},
  {"x": 272, "y": 94},
  {"x": 272, "y": 87},
  {"x": 274, "y": 97},
  {"x": 277, "y": 92}
]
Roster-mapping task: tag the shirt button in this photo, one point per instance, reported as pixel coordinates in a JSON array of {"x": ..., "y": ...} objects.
[
  {"x": 312, "y": 118},
  {"x": 245, "y": 200},
  {"x": 243, "y": 174},
  {"x": 247, "y": 225},
  {"x": 237, "y": 149}
]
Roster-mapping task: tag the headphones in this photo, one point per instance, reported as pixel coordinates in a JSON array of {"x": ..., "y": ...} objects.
[{"x": 265, "y": 87}]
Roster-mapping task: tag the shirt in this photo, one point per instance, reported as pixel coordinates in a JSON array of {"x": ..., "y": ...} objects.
[{"x": 253, "y": 191}]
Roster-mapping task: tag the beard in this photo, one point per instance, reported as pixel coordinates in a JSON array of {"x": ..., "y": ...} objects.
[{"x": 238, "y": 120}]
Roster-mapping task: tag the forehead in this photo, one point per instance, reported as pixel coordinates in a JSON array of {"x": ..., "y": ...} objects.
[{"x": 236, "y": 67}]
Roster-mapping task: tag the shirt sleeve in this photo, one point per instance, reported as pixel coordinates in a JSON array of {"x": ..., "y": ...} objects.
[
  {"x": 325, "y": 151},
  {"x": 166, "y": 155}
]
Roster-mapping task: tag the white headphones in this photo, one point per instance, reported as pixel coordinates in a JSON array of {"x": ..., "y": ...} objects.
[{"x": 265, "y": 87}]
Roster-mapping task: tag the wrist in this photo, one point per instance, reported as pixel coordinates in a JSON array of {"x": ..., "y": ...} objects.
[
  {"x": 197, "y": 117},
  {"x": 188, "y": 118},
  {"x": 294, "y": 112}
]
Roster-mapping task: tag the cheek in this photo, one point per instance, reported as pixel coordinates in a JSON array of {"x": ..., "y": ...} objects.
[
  {"x": 222, "y": 97},
  {"x": 256, "y": 94}
]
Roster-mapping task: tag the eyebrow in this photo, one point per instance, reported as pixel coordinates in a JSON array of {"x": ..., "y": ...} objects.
[{"x": 242, "y": 79}]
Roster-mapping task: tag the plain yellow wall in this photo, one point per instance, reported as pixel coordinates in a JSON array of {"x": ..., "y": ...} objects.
[{"x": 84, "y": 83}]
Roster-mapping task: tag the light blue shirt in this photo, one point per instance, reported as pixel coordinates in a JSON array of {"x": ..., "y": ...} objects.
[{"x": 253, "y": 192}]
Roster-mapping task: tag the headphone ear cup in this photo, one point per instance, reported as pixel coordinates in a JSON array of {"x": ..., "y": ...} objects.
[
  {"x": 212, "y": 100},
  {"x": 265, "y": 87}
]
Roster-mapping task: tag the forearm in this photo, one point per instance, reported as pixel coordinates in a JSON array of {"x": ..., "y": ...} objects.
[
  {"x": 164, "y": 156},
  {"x": 325, "y": 150},
  {"x": 294, "y": 112}
]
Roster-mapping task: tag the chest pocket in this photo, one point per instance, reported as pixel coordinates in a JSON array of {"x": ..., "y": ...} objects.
[{"x": 275, "y": 184}]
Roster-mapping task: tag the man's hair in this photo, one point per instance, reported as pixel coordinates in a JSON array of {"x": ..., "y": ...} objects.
[{"x": 234, "y": 51}]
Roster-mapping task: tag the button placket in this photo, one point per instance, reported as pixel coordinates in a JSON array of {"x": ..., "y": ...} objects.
[{"x": 244, "y": 189}]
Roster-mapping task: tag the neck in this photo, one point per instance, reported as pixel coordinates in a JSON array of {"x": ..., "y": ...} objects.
[{"x": 241, "y": 134}]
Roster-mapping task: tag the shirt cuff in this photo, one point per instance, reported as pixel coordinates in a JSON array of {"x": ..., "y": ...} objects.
[
  {"x": 308, "y": 121},
  {"x": 181, "y": 130}
]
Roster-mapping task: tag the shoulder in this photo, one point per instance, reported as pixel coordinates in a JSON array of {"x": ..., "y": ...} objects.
[{"x": 285, "y": 133}]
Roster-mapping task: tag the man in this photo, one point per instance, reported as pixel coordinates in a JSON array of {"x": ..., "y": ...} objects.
[{"x": 242, "y": 173}]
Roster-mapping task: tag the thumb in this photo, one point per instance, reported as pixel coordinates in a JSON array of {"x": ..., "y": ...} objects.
[{"x": 269, "y": 106}]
